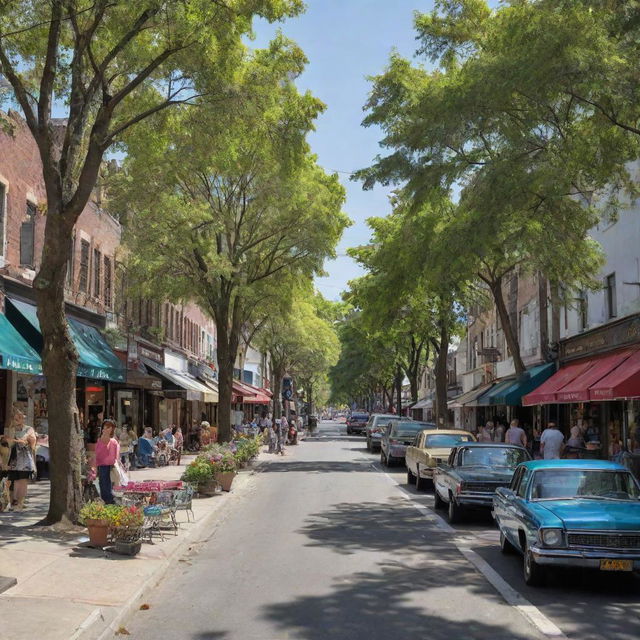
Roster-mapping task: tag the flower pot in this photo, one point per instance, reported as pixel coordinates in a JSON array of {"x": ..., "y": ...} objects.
[
  {"x": 127, "y": 548},
  {"x": 98, "y": 532},
  {"x": 225, "y": 478},
  {"x": 209, "y": 488}
]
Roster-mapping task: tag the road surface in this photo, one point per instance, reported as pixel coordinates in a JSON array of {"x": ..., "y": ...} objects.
[{"x": 325, "y": 544}]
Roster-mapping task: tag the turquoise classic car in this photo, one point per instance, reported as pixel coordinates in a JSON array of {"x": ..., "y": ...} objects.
[{"x": 570, "y": 513}]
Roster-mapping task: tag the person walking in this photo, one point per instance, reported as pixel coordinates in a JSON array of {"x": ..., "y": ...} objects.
[
  {"x": 515, "y": 434},
  {"x": 281, "y": 432},
  {"x": 551, "y": 442},
  {"x": 107, "y": 454},
  {"x": 21, "y": 438},
  {"x": 486, "y": 433}
]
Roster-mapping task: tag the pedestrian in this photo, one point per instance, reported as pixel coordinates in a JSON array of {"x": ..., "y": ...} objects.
[
  {"x": 551, "y": 442},
  {"x": 515, "y": 434},
  {"x": 282, "y": 433},
  {"x": 271, "y": 435},
  {"x": 107, "y": 454},
  {"x": 179, "y": 441},
  {"x": 126, "y": 437},
  {"x": 486, "y": 433},
  {"x": 21, "y": 438}
]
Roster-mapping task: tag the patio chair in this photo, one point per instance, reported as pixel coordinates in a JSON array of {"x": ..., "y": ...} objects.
[
  {"x": 184, "y": 501},
  {"x": 145, "y": 454},
  {"x": 167, "y": 503},
  {"x": 152, "y": 518}
]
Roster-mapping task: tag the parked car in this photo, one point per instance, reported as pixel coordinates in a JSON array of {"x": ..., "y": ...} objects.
[
  {"x": 357, "y": 422},
  {"x": 378, "y": 422},
  {"x": 570, "y": 513},
  {"x": 431, "y": 448},
  {"x": 472, "y": 474},
  {"x": 398, "y": 435}
]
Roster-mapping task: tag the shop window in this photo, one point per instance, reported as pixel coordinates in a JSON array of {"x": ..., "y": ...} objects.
[
  {"x": 107, "y": 282},
  {"x": 83, "y": 285},
  {"x": 610, "y": 294},
  {"x": 97, "y": 272},
  {"x": 27, "y": 237},
  {"x": 3, "y": 206}
]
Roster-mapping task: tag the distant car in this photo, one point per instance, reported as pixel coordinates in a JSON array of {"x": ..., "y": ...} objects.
[
  {"x": 357, "y": 422},
  {"x": 398, "y": 435},
  {"x": 472, "y": 474},
  {"x": 375, "y": 428},
  {"x": 570, "y": 513},
  {"x": 431, "y": 448}
]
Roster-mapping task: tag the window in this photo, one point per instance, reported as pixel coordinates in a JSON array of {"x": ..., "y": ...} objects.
[
  {"x": 97, "y": 272},
  {"x": 610, "y": 294},
  {"x": 107, "y": 282},
  {"x": 583, "y": 311},
  {"x": 27, "y": 233},
  {"x": 3, "y": 196},
  {"x": 70, "y": 261},
  {"x": 84, "y": 266}
]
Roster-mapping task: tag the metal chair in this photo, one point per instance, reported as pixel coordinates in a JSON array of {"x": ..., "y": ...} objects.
[{"x": 184, "y": 501}]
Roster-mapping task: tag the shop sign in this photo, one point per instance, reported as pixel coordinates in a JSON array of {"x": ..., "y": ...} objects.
[
  {"x": 618, "y": 334},
  {"x": 15, "y": 363},
  {"x": 150, "y": 354}
]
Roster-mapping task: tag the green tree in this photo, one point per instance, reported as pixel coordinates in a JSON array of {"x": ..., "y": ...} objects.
[
  {"x": 108, "y": 65},
  {"x": 228, "y": 204}
]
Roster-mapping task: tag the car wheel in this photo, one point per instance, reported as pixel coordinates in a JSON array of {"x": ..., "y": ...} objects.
[
  {"x": 534, "y": 573},
  {"x": 438, "y": 502},
  {"x": 411, "y": 478},
  {"x": 505, "y": 546},
  {"x": 348, "y": 431},
  {"x": 368, "y": 444},
  {"x": 455, "y": 511}
]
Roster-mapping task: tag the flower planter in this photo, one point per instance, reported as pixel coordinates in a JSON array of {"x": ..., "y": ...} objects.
[
  {"x": 127, "y": 548},
  {"x": 225, "y": 478},
  {"x": 98, "y": 532},
  {"x": 210, "y": 488}
]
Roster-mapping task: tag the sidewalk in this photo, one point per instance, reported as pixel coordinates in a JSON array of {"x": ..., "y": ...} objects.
[{"x": 66, "y": 590}]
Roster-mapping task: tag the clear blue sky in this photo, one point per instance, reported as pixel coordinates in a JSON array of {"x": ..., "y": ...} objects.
[{"x": 346, "y": 41}]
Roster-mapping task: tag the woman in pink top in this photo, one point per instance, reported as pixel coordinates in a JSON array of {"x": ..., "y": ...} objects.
[{"x": 107, "y": 453}]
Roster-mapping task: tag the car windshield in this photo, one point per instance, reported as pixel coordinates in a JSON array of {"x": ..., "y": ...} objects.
[
  {"x": 444, "y": 440},
  {"x": 554, "y": 484},
  {"x": 359, "y": 416},
  {"x": 492, "y": 456},
  {"x": 407, "y": 429}
]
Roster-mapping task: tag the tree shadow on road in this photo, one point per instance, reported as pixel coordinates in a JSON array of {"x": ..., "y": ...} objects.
[
  {"x": 389, "y": 604},
  {"x": 374, "y": 526},
  {"x": 317, "y": 466}
]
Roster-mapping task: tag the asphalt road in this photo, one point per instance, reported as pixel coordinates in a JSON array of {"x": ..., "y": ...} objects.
[{"x": 324, "y": 544}]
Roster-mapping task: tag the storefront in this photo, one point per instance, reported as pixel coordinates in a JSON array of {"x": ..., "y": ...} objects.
[
  {"x": 596, "y": 388},
  {"x": 465, "y": 411}
]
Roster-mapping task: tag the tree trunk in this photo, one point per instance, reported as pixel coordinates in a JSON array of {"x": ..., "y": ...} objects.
[
  {"x": 413, "y": 382},
  {"x": 60, "y": 363},
  {"x": 442, "y": 382},
  {"x": 509, "y": 331},
  {"x": 277, "y": 373},
  {"x": 399, "y": 390},
  {"x": 225, "y": 390},
  {"x": 310, "y": 398}
]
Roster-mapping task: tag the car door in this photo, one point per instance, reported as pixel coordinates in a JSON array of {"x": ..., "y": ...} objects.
[
  {"x": 442, "y": 477},
  {"x": 504, "y": 505}
]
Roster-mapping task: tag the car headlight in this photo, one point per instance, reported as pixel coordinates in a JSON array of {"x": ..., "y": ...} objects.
[{"x": 551, "y": 537}]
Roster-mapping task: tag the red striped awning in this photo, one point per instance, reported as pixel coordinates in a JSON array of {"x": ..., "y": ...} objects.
[
  {"x": 622, "y": 382},
  {"x": 547, "y": 391}
]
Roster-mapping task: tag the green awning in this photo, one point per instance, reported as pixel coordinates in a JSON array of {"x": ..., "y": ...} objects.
[
  {"x": 488, "y": 398},
  {"x": 532, "y": 379},
  {"x": 15, "y": 352},
  {"x": 97, "y": 359}
]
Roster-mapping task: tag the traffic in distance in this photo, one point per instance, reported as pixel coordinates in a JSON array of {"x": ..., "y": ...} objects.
[{"x": 554, "y": 513}]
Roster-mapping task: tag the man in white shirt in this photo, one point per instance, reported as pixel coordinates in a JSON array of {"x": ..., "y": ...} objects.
[
  {"x": 515, "y": 434},
  {"x": 551, "y": 442}
]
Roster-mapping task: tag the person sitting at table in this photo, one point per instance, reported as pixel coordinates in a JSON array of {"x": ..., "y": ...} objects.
[{"x": 146, "y": 448}]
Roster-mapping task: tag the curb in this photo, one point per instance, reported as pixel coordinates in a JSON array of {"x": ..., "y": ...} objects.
[{"x": 88, "y": 629}]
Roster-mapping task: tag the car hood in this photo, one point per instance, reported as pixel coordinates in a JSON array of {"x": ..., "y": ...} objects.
[
  {"x": 589, "y": 514},
  {"x": 485, "y": 474},
  {"x": 438, "y": 453}
]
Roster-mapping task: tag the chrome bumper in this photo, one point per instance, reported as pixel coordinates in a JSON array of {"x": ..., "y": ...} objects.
[
  {"x": 581, "y": 557},
  {"x": 475, "y": 499}
]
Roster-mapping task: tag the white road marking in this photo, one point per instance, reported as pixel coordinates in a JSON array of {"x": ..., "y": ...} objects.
[{"x": 512, "y": 597}]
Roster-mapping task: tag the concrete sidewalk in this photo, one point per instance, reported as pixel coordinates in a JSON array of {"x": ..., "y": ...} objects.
[{"x": 65, "y": 590}]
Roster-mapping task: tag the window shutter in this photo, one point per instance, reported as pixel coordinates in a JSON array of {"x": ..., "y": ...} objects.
[{"x": 26, "y": 243}]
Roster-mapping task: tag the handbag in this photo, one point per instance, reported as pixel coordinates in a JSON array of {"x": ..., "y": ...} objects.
[{"x": 118, "y": 475}]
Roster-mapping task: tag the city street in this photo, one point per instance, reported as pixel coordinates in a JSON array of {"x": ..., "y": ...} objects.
[{"x": 327, "y": 545}]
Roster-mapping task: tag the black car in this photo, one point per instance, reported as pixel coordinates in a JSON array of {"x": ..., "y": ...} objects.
[{"x": 357, "y": 422}]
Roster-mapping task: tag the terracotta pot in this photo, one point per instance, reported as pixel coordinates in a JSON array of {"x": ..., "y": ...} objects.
[
  {"x": 225, "y": 478},
  {"x": 98, "y": 532}
]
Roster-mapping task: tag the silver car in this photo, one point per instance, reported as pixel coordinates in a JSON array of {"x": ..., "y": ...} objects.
[{"x": 375, "y": 428}]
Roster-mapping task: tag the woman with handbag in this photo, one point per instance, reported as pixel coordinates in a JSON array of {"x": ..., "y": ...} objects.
[
  {"x": 22, "y": 459},
  {"x": 107, "y": 456}
]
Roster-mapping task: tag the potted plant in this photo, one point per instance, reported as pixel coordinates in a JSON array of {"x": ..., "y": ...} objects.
[
  {"x": 126, "y": 530},
  {"x": 200, "y": 473},
  {"x": 96, "y": 518},
  {"x": 224, "y": 465}
]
